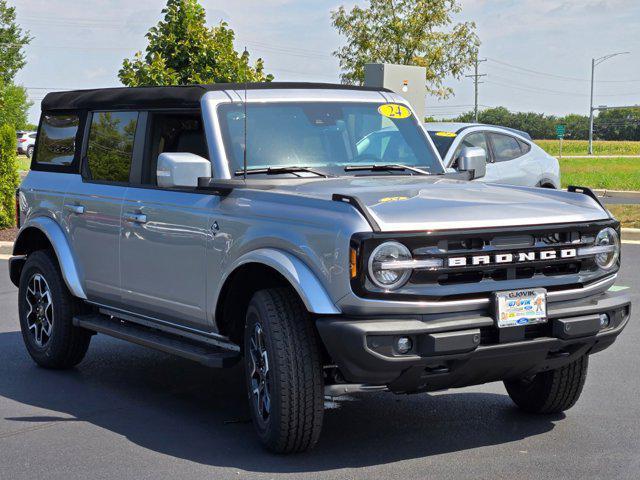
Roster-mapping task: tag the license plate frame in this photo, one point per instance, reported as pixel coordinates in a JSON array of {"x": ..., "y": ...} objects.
[{"x": 518, "y": 308}]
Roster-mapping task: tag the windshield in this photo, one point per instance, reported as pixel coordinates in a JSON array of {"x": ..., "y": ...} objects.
[
  {"x": 325, "y": 136},
  {"x": 442, "y": 141}
]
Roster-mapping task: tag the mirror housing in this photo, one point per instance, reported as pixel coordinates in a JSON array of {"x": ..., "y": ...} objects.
[
  {"x": 474, "y": 161},
  {"x": 181, "y": 169}
]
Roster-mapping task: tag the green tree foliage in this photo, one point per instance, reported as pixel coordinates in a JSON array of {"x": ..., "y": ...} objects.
[
  {"x": 14, "y": 103},
  {"x": 14, "y": 106},
  {"x": 9, "y": 178},
  {"x": 618, "y": 124},
  {"x": 12, "y": 42},
  {"x": 406, "y": 32},
  {"x": 182, "y": 50}
]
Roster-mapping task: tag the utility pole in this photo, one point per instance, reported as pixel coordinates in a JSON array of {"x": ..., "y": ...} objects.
[
  {"x": 476, "y": 81},
  {"x": 594, "y": 63}
]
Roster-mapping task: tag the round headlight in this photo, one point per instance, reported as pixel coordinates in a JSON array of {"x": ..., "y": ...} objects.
[
  {"x": 608, "y": 239},
  {"x": 384, "y": 270}
]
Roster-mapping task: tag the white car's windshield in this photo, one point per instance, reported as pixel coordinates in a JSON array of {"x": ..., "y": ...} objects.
[{"x": 334, "y": 138}]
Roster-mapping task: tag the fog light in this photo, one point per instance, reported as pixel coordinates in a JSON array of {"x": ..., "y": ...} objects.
[
  {"x": 403, "y": 345},
  {"x": 604, "y": 320}
]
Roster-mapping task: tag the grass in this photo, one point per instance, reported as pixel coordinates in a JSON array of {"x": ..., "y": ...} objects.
[
  {"x": 580, "y": 147},
  {"x": 629, "y": 215},
  {"x": 23, "y": 163},
  {"x": 604, "y": 173}
]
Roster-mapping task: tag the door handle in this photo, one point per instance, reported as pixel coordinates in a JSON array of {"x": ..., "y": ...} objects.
[
  {"x": 77, "y": 209},
  {"x": 135, "y": 217}
]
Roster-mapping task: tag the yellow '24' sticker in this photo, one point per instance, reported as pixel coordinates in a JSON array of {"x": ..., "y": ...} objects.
[{"x": 394, "y": 110}]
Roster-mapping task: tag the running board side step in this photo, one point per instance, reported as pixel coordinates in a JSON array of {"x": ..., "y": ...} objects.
[{"x": 208, "y": 355}]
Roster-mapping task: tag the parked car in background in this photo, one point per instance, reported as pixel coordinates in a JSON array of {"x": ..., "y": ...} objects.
[
  {"x": 26, "y": 142},
  {"x": 512, "y": 157}
]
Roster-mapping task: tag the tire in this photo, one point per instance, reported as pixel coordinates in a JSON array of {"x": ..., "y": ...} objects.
[
  {"x": 30, "y": 152},
  {"x": 550, "y": 392},
  {"x": 278, "y": 325},
  {"x": 48, "y": 332}
]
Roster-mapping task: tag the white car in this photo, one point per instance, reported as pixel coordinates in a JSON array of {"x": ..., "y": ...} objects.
[
  {"x": 26, "y": 143},
  {"x": 512, "y": 157}
]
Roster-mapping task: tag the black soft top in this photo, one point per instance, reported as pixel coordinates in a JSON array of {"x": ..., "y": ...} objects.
[{"x": 165, "y": 97}]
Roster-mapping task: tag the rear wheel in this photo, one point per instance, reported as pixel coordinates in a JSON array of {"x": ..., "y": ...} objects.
[
  {"x": 283, "y": 371},
  {"x": 30, "y": 151},
  {"x": 46, "y": 309},
  {"x": 550, "y": 392}
]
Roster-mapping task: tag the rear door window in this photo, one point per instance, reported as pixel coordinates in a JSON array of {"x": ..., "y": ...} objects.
[
  {"x": 110, "y": 147},
  {"x": 505, "y": 147},
  {"x": 57, "y": 142}
]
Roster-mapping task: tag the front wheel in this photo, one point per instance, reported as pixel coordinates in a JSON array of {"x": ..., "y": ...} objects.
[
  {"x": 46, "y": 309},
  {"x": 283, "y": 372},
  {"x": 550, "y": 392}
]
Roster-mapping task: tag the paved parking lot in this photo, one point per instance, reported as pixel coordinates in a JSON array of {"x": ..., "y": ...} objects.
[{"x": 127, "y": 412}]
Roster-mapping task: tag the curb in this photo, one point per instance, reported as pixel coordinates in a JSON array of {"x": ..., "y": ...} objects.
[
  {"x": 618, "y": 193},
  {"x": 631, "y": 234},
  {"x": 6, "y": 248}
]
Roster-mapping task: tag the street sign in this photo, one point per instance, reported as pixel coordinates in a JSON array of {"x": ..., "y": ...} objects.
[{"x": 560, "y": 129}]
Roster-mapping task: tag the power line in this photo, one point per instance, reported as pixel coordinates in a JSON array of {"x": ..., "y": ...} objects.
[
  {"x": 560, "y": 77},
  {"x": 533, "y": 89}
]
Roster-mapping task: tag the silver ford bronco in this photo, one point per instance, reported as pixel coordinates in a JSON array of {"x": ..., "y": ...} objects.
[{"x": 272, "y": 224}]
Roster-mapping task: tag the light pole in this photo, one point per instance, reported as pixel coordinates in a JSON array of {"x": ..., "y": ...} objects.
[{"x": 594, "y": 63}]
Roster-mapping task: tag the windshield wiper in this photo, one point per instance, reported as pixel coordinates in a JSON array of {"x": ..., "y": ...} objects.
[
  {"x": 280, "y": 170},
  {"x": 378, "y": 168}
]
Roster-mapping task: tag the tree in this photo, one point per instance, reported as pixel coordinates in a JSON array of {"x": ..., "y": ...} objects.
[
  {"x": 406, "y": 32},
  {"x": 538, "y": 125},
  {"x": 618, "y": 124},
  {"x": 9, "y": 179},
  {"x": 14, "y": 106},
  {"x": 12, "y": 42},
  {"x": 182, "y": 50},
  {"x": 14, "y": 102}
]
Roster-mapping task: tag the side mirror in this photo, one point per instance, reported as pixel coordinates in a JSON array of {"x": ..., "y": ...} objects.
[
  {"x": 181, "y": 169},
  {"x": 474, "y": 161}
]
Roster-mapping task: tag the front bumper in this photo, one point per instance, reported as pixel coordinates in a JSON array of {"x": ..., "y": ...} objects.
[{"x": 459, "y": 350}]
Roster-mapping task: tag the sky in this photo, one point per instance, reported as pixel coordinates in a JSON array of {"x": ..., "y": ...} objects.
[{"x": 538, "y": 51}]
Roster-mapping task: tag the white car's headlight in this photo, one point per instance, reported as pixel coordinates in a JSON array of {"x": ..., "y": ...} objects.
[
  {"x": 609, "y": 243},
  {"x": 386, "y": 269}
]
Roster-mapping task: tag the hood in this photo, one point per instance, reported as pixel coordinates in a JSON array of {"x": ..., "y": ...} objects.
[{"x": 410, "y": 203}]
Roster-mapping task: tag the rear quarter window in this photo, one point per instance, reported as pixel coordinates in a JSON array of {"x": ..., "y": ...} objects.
[
  {"x": 524, "y": 146},
  {"x": 505, "y": 147},
  {"x": 56, "y": 146}
]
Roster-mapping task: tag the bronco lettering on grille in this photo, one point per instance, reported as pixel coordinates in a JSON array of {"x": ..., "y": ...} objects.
[{"x": 505, "y": 258}]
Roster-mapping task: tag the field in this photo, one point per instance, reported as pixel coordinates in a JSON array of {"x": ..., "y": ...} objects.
[
  {"x": 605, "y": 173},
  {"x": 580, "y": 147}
]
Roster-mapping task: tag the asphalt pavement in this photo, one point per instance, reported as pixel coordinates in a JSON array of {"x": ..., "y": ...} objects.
[{"x": 131, "y": 413}]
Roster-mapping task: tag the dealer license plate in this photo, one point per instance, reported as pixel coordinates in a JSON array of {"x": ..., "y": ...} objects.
[{"x": 520, "y": 307}]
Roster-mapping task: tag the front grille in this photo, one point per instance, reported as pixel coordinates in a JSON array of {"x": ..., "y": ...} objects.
[
  {"x": 499, "y": 274},
  {"x": 469, "y": 280},
  {"x": 491, "y": 244}
]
